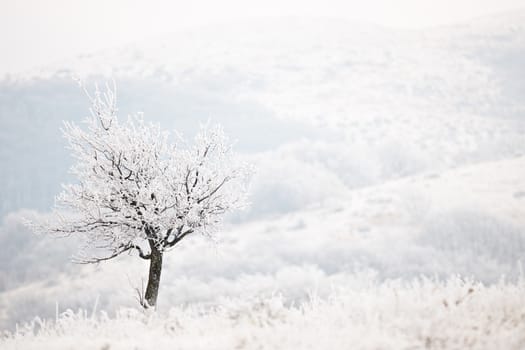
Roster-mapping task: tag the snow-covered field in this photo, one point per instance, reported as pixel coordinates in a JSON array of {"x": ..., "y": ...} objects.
[
  {"x": 388, "y": 210},
  {"x": 456, "y": 314}
]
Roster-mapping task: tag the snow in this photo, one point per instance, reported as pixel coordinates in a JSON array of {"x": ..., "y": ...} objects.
[
  {"x": 390, "y": 184},
  {"x": 134, "y": 189},
  {"x": 399, "y": 230},
  {"x": 456, "y": 314}
]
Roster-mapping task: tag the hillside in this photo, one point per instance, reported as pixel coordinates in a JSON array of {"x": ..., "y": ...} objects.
[
  {"x": 390, "y": 183},
  {"x": 398, "y": 102},
  {"x": 468, "y": 221}
]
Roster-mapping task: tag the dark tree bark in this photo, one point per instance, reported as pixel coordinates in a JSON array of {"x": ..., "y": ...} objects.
[{"x": 155, "y": 268}]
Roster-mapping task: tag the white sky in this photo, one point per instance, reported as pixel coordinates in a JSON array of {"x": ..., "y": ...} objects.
[{"x": 37, "y": 32}]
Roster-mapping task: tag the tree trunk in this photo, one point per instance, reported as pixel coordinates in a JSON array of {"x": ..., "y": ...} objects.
[{"x": 155, "y": 268}]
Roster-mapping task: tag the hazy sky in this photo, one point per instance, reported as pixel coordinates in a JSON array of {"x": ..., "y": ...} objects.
[{"x": 37, "y": 32}]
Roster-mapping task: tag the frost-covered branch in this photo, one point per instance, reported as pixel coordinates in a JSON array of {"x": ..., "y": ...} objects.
[{"x": 138, "y": 190}]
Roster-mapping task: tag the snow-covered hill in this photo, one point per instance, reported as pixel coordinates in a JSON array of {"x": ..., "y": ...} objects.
[
  {"x": 468, "y": 221},
  {"x": 383, "y": 103},
  {"x": 382, "y": 154}
]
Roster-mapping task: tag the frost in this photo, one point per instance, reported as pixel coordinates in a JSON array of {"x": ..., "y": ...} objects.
[
  {"x": 422, "y": 314},
  {"x": 136, "y": 190}
]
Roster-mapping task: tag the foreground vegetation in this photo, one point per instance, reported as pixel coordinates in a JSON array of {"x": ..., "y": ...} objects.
[{"x": 422, "y": 314}]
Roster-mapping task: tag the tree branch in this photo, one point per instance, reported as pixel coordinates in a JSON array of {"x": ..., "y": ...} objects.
[
  {"x": 177, "y": 239},
  {"x": 214, "y": 191}
]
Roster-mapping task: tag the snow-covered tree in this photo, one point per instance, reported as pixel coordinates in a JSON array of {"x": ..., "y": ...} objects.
[{"x": 139, "y": 192}]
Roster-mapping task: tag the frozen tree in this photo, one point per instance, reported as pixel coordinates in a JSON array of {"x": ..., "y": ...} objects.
[{"x": 139, "y": 192}]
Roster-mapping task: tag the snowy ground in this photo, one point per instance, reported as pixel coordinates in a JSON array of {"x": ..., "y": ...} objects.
[
  {"x": 363, "y": 262},
  {"x": 390, "y": 162},
  {"x": 419, "y": 315}
]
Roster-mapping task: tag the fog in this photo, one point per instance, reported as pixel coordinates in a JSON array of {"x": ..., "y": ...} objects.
[{"x": 392, "y": 153}]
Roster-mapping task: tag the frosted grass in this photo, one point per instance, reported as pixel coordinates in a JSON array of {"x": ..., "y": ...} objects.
[{"x": 422, "y": 314}]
